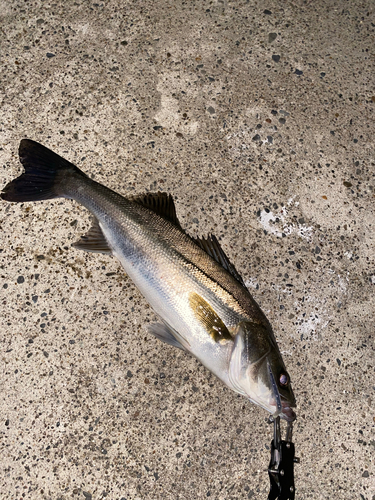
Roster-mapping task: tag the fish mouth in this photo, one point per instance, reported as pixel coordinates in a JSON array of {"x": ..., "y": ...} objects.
[
  {"x": 287, "y": 413},
  {"x": 283, "y": 406}
]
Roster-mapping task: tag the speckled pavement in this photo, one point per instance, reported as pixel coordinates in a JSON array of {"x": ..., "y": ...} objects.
[{"x": 258, "y": 117}]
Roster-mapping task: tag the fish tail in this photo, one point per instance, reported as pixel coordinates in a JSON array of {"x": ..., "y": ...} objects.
[{"x": 45, "y": 177}]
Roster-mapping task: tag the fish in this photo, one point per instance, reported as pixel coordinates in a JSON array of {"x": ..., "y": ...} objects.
[{"x": 201, "y": 301}]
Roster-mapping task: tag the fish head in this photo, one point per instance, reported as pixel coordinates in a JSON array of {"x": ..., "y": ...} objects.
[{"x": 258, "y": 372}]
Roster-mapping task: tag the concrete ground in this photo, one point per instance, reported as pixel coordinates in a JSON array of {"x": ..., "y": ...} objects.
[{"x": 258, "y": 117}]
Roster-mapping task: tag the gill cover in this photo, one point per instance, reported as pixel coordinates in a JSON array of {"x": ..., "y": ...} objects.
[{"x": 256, "y": 368}]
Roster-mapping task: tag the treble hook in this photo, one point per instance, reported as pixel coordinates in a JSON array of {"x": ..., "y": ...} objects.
[{"x": 281, "y": 467}]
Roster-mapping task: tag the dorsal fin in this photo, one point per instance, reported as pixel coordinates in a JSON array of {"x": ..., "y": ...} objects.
[
  {"x": 94, "y": 240},
  {"x": 212, "y": 247},
  {"x": 160, "y": 203}
]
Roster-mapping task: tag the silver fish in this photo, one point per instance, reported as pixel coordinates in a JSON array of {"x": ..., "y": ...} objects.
[{"x": 202, "y": 302}]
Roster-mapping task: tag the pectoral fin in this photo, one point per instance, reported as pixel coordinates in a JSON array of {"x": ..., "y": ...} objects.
[{"x": 206, "y": 315}]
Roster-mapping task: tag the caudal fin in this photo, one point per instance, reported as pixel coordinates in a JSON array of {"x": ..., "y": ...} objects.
[{"x": 44, "y": 174}]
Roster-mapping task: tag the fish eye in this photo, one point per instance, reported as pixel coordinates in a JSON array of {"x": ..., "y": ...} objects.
[{"x": 284, "y": 379}]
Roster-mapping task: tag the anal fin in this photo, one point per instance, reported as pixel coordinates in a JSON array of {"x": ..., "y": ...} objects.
[{"x": 94, "y": 240}]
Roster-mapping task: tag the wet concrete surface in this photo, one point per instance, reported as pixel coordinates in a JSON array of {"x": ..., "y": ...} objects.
[{"x": 259, "y": 119}]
